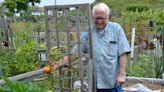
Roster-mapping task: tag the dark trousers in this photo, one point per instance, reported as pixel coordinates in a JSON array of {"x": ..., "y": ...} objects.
[{"x": 117, "y": 89}]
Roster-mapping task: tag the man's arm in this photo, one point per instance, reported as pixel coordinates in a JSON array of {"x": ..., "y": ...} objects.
[
  {"x": 83, "y": 38},
  {"x": 123, "y": 50},
  {"x": 122, "y": 69},
  {"x": 61, "y": 62}
]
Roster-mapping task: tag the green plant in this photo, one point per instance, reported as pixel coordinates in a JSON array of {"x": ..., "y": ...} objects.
[
  {"x": 137, "y": 7},
  {"x": 6, "y": 58},
  {"x": 20, "y": 61},
  {"x": 26, "y": 57},
  {"x": 55, "y": 54},
  {"x": 158, "y": 68},
  {"x": 18, "y": 6},
  {"x": 144, "y": 67},
  {"x": 14, "y": 86}
]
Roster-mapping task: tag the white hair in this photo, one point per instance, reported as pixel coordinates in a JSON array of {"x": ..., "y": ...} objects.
[{"x": 101, "y": 7}]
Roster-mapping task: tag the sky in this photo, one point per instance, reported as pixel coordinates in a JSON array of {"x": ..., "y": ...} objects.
[
  {"x": 1, "y": 0},
  {"x": 61, "y": 2}
]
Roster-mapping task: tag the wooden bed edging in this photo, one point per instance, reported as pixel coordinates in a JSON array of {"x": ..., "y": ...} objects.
[
  {"x": 26, "y": 77},
  {"x": 145, "y": 80}
]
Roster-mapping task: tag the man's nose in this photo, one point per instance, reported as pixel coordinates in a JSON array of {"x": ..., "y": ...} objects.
[{"x": 98, "y": 21}]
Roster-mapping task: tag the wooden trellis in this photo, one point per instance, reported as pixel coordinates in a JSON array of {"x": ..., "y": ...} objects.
[{"x": 64, "y": 25}]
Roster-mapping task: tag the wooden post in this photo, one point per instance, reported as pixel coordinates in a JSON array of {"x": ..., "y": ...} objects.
[
  {"x": 132, "y": 41},
  {"x": 163, "y": 47},
  {"x": 91, "y": 77},
  {"x": 1, "y": 70}
]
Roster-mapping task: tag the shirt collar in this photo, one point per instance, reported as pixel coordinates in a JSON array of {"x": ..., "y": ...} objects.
[{"x": 103, "y": 31}]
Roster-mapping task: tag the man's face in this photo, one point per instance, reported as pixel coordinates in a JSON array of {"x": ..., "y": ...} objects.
[{"x": 100, "y": 19}]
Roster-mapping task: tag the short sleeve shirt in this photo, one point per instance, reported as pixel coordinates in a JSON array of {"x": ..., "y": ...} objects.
[{"x": 108, "y": 45}]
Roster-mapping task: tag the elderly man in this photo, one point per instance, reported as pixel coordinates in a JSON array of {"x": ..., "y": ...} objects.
[{"x": 110, "y": 49}]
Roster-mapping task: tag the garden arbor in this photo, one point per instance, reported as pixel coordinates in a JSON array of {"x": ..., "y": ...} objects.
[{"x": 64, "y": 25}]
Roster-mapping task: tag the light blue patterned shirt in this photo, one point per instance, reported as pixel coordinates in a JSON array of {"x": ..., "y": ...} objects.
[{"x": 108, "y": 45}]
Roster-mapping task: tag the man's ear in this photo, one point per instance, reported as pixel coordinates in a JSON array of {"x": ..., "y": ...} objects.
[{"x": 108, "y": 17}]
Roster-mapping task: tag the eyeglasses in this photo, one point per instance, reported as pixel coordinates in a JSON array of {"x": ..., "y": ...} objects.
[{"x": 100, "y": 18}]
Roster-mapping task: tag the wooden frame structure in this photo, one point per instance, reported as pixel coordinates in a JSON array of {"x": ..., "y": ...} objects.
[{"x": 70, "y": 20}]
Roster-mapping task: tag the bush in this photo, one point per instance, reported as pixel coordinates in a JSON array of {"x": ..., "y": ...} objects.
[{"x": 21, "y": 61}]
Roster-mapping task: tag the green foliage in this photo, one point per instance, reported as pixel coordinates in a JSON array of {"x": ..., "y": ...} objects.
[
  {"x": 73, "y": 13},
  {"x": 41, "y": 46},
  {"x": 144, "y": 67},
  {"x": 23, "y": 31},
  {"x": 159, "y": 66},
  {"x": 142, "y": 18},
  {"x": 64, "y": 78},
  {"x": 18, "y": 6},
  {"x": 26, "y": 58},
  {"x": 137, "y": 7},
  {"x": 2, "y": 10},
  {"x": 6, "y": 57},
  {"x": 23, "y": 59},
  {"x": 22, "y": 38},
  {"x": 62, "y": 24},
  {"x": 55, "y": 54},
  {"x": 27, "y": 15},
  {"x": 19, "y": 87},
  {"x": 42, "y": 84},
  {"x": 122, "y": 4},
  {"x": 20, "y": 61}
]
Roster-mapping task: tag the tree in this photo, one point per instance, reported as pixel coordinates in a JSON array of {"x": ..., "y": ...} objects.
[
  {"x": 18, "y": 6},
  {"x": 2, "y": 10}
]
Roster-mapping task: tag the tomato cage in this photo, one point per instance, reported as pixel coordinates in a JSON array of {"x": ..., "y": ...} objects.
[{"x": 64, "y": 25}]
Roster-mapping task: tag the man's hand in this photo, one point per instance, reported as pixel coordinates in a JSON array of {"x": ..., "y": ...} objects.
[
  {"x": 120, "y": 79},
  {"x": 55, "y": 66},
  {"x": 60, "y": 63},
  {"x": 122, "y": 69}
]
